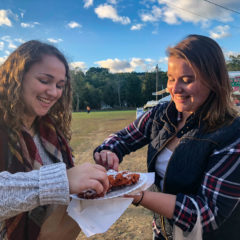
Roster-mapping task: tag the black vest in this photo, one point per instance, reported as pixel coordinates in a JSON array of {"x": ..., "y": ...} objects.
[{"x": 189, "y": 160}]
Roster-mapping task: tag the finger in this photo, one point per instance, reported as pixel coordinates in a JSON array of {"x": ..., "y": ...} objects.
[
  {"x": 101, "y": 176},
  {"x": 109, "y": 160},
  {"x": 100, "y": 167},
  {"x": 116, "y": 163},
  {"x": 105, "y": 182},
  {"x": 103, "y": 157},
  {"x": 97, "y": 157},
  {"x": 110, "y": 163},
  {"x": 96, "y": 185}
]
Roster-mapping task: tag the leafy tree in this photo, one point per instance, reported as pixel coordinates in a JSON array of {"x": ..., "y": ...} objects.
[
  {"x": 92, "y": 97},
  {"x": 109, "y": 91},
  {"x": 148, "y": 85},
  {"x": 132, "y": 89},
  {"x": 234, "y": 63},
  {"x": 96, "y": 76},
  {"x": 119, "y": 83},
  {"x": 78, "y": 85},
  {"x": 99, "y": 87}
]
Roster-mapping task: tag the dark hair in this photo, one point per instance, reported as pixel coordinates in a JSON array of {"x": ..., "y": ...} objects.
[
  {"x": 206, "y": 58},
  {"x": 12, "y": 73}
]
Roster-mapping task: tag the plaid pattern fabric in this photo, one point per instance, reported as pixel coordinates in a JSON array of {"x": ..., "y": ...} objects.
[
  {"x": 131, "y": 138},
  {"x": 219, "y": 192},
  {"x": 218, "y": 195},
  {"x": 24, "y": 157}
]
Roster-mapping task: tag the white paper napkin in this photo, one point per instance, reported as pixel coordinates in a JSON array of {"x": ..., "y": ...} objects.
[{"x": 97, "y": 216}]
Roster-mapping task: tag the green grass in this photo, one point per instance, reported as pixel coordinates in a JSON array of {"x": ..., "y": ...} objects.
[
  {"x": 103, "y": 114},
  {"x": 89, "y": 130}
]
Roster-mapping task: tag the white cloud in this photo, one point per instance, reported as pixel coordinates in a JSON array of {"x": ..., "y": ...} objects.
[
  {"x": 11, "y": 45},
  {"x": 112, "y": 1},
  {"x": 220, "y": 32},
  {"x": 170, "y": 16},
  {"x": 6, "y": 38},
  {"x": 196, "y": 11},
  {"x": 74, "y": 24},
  {"x": 78, "y": 65},
  {"x": 115, "y": 65},
  {"x": 29, "y": 25},
  {"x": 1, "y": 46},
  {"x": 137, "y": 26},
  {"x": 227, "y": 54},
  {"x": 134, "y": 64},
  {"x": 4, "y": 20},
  {"x": 19, "y": 40},
  {"x": 52, "y": 40},
  {"x": 9, "y": 41},
  {"x": 139, "y": 63},
  {"x": 87, "y": 3},
  {"x": 22, "y": 12},
  {"x": 108, "y": 11},
  {"x": 151, "y": 16},
  {"x": 2, "y": 59}
]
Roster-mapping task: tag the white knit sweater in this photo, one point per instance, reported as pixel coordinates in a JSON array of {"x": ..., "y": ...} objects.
[{"x": 24, "y": 191}]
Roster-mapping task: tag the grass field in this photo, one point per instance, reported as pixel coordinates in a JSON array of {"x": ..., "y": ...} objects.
[{"x": 89, "y": 130}]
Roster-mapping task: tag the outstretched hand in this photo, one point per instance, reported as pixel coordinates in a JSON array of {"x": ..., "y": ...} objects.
[
  {"x": 88, "y": 176},
  {"x": 107, "y": 159}
]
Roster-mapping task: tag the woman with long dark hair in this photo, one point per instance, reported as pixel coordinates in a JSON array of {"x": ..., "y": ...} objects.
[{"x": 193, "y": 147}]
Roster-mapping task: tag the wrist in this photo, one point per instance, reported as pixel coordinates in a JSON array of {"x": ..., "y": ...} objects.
[{"x": 136, "y": 203}]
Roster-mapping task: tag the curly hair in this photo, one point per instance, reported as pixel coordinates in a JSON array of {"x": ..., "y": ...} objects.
[
  {"x": 12, "y": 73},
  {"x": 206, "y": 58}
]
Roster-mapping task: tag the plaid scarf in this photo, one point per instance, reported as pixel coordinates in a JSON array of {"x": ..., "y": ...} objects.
[{"x": 18, "y": 153}]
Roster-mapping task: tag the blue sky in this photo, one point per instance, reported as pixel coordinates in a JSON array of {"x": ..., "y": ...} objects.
[{"x": 122, "y": 35}]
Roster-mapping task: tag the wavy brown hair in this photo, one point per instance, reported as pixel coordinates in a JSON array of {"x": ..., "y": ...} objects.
[
  {"x": 12, "y": 73},
  {"x": 206, "y": 58}
]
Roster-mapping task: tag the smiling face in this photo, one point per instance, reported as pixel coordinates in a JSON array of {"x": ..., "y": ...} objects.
[
  {"x": 42, "y": 87},
  {"x": 187, "y": 91}
]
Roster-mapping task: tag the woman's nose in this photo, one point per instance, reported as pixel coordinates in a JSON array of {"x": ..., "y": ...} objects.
[
  {"x": 52, "y": 91},
  {"x": 177, "y": 88}
]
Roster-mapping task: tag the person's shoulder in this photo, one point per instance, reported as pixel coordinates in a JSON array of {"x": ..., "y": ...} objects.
[
  {"x": 161, "y": 106},
  {"x": 227, "y": 134},
  {"x": 235, "y": 125}
]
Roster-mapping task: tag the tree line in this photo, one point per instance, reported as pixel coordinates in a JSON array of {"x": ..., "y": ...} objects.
[
  {"x": 101, "y": 89},
  {"x": 233, "y": 64}
]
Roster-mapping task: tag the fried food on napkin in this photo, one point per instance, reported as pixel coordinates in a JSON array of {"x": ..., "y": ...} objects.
[{"x": 116, "y": 181}]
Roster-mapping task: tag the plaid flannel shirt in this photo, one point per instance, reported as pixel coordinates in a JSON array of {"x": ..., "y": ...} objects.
[{"x": 219, "y": 192}]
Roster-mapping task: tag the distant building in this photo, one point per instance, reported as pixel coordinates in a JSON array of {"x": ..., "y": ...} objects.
[
  {"x": 235, "y": 83},
  {"x": 235, "y": 79}
]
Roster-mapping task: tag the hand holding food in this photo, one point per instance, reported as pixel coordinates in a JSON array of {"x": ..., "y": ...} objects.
[
  {"x": 107, "y": 159},
  {"x": 88, "y": 176},
  {"x": 116, "y": 181}
]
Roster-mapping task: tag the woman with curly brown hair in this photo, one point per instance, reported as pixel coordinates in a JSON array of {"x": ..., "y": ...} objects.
[{"x": 35, "y": 117}]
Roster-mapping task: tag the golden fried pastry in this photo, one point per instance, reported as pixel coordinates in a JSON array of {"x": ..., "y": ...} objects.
[{"x": 116, "y": 181}]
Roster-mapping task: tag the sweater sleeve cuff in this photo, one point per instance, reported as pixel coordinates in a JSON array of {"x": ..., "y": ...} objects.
[{"x": 53, "y": 184}]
